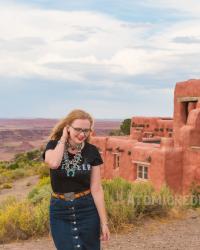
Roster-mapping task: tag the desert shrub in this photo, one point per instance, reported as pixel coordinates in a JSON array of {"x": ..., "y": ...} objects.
[
  {"x": 41, "y": 217},
  {"x": 21, "y": 220},
  {"x": 24, "y": 164},
  {"x": 10, "y": 199},
  {"x": 127, "y": 202},
  {"x": 33, "y": 155},
  {"x": 16, "y": 221},
  {"x": 9, "y": 175},
  {"x": 3, "y": 165},
  {"x": 194, "y": 200},
  {"x": 27, "y": 218},
  {"x": 43, "y": 170},
  {"x": 117, "y": 188},
  {"x": 44, "y": 181},
  {"x": 140, "y": 195},
  {"x": 3, "y": 178},
  {"x": 16, "y": 174},
  {"x": 13, "y": 165},
  {"x": 41, "y": 191},
  {"x": 29, "y": 156},
  {"x": 6, "y": 186}
]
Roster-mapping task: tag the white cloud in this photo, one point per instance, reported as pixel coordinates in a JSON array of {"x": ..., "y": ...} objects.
[
  {"x": 34, "y": 38},
  {"x": 191, "y": 7},
  {"x": 74, "y": 45},
  {"x": 134, "y": 64}
]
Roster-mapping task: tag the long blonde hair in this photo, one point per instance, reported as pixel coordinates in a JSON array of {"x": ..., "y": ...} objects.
[{"x": 57, "y": 130}]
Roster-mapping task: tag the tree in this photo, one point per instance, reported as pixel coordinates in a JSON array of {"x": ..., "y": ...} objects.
[
  {"x": 125, "y": 126},
  {"x": 124, "y": 129}
]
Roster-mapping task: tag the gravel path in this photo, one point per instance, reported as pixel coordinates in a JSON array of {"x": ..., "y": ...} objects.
[{"x": 179, "y": 234}]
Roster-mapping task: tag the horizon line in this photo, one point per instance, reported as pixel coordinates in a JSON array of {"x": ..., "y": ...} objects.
[{"x": 31, "y": 118}]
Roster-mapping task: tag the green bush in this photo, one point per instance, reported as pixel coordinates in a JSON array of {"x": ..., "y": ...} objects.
[
  {"x": 13, "y": 165},
  {"x": 125, "y": 201},
  {"x": 28, "y": 156},
  {"x": 117, "y": 188},
  {"x": 24, "y": 164},
  {"x": 141, "y": 196},
  {"x": 27, "y": 218},
  {"x": 41, "y": 191},
  {"x": 3, "y": 165},
  {"x": 128, "y": 201},
  {"x": 6, "y": 186},
  {"x": 21, "y": 220},
  {"x": 10, "y": 200},
  {"x": 33, "y": 155},
  {"x": 43, "y": 170},
  {"x": 195, "y": 192}
]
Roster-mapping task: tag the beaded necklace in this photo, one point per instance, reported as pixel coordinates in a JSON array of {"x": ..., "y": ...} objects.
[{"x": 71, "y": 165}]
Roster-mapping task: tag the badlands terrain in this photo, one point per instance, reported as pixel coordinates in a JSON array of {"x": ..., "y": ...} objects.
[{"x": 20, "y": 135}]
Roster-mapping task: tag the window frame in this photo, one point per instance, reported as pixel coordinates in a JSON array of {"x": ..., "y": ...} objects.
[
  {"x": 142, "y": 171},
  {"x": 116, "y": 160}
]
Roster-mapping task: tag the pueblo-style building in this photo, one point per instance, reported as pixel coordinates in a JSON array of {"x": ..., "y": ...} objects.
[{"x": 162, "y": 150}]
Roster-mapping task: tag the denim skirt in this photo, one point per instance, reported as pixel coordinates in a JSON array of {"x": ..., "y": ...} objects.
[{"x": 75, "y": 224}]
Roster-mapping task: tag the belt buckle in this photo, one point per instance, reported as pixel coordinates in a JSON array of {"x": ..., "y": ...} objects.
[{"x": 69, "y": 196}]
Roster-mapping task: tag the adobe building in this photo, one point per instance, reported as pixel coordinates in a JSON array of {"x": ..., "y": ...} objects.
[{"x": 162, "y": 150}]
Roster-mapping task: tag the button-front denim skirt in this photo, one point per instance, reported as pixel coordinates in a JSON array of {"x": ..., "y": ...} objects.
[{"x": 75, "y": 224}]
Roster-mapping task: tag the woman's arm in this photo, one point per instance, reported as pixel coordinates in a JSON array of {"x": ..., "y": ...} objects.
[
  {"x": 53, "y": 157},
  {"x": 98, "y": 196}
]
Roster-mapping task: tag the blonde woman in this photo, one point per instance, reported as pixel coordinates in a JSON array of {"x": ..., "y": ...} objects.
[{"x": 78, "y": 217}]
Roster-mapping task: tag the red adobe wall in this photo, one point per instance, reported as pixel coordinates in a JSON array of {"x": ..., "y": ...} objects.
[
  {"x": 170, "y": 148},
  {"x": 121, "y": 148},
  {"x": 172, "y": 164},
  {"x": 187, "y": 129},
  {"x": 190, "y": 90},
  {"x": 114, "y": 145},
  {"x": 146, "y": 127},
  {"x": 100, "y": 142},
  {"x": 150, "y": 154}
]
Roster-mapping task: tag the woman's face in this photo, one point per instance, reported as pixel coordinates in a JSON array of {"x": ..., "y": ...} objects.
[{"x": 79, "y": 130}]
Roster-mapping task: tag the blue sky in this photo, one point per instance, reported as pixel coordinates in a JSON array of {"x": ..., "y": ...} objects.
[{"x": 115, "y": 59}]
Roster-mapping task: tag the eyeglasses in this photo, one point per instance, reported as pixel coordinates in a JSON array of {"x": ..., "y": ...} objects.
[{"x": 79, "y": 130}]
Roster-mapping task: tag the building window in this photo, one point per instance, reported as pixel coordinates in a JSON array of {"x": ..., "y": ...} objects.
[
  {"x": 142, "y": 172},
  {"x": 187, "y": 107},
  {"x": 116, "y": 161}
]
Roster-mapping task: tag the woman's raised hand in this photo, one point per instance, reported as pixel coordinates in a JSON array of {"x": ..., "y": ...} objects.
[{"x": 65, "y": 134}]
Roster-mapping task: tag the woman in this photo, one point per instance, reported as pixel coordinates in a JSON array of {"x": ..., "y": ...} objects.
[{"x": 77, "y": 208}]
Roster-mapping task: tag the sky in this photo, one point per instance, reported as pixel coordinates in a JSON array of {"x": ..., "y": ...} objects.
[{"x": 115, "y": 59}]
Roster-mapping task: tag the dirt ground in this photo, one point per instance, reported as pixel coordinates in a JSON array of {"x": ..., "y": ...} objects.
[
  {"x": 178, "y": 234},
  {"x": 173, "y": 234},
  {"x": 20, "y": 188}
]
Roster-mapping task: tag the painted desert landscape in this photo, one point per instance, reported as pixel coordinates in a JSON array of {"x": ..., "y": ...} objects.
[{"x": 21, "y": 135}]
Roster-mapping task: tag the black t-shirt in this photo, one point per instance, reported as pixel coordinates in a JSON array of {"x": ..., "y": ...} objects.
[{"x": 62, "y": 181}]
